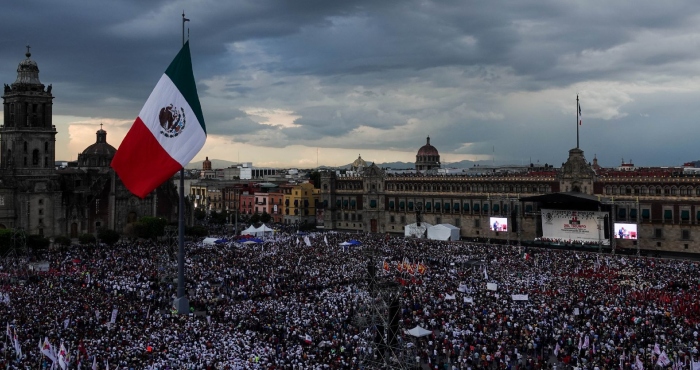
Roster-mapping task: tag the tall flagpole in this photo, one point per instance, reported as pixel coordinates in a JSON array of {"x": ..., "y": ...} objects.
[
  {"x": 577, "y": 108},
  {"x": 182, "y": 305}
]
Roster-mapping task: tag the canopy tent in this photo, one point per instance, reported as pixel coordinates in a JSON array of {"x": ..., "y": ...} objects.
[
  {"x": 249, "y": 231},
  {"x": 344, "y": 244},
  {"x": 415, "y": 231},
  {"x": 354, "y": 242},
  {"x": 210, "y": 241},
  {"x": 221, "y": 241},
  {"x": 419, "y": 332},
  {"x": 263, "y": 231},
  {"x": 443, "y": 232},
  {"x": 253, "y": 241}
]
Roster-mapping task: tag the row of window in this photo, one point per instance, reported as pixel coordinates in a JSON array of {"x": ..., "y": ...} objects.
[
  {"x": 665, "y": 215},
  {"x": 287, "y": 211},
  {"x": 470, "y": 188},
  {"x": 32, "y": 117},
  {"x": 455, "y": 207},
  {"x": 659, "y": 234},
  {"x": 348, "y": 216},
  {"x": 657, "y": 190}
]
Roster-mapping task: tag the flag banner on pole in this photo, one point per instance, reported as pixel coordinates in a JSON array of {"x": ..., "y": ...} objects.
[
  {"x": 580, "y": 120},
  {"x": 63, "y": 357},
  {"x": 168, "y": 132},
  {"x": 47, "y": 350},
  {"x": 663, "y": 360}
]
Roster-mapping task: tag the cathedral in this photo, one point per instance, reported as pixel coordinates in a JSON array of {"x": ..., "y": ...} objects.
[{"x": 83, "y": 197}]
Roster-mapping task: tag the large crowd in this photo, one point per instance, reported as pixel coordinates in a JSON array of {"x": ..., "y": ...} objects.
[{"x": 297, "y": 302}]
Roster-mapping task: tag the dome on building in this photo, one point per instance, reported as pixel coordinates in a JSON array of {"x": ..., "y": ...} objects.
[
  {"x": 359, "y": 163},
  {"x": 100, "y": 147},
  {"x": 428, "y": 158},
  {"x": 99, "y": 154},
  {"x": 27, "y": 71},
  {"x": 428, "y": 149}
]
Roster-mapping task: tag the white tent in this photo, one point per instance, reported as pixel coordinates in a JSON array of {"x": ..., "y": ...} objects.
[
  {"x": 263, "y": 231},
  {"x": 419, "y": 332},
  {"x": 210, "y": 241},
  {"x": 249, "y": 231},
  {"x": 413, "y": 230},
  {"x": 443, "y": 232}
]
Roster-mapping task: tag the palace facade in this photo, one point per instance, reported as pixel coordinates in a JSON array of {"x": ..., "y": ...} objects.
[{"x": 662, "y": 203}]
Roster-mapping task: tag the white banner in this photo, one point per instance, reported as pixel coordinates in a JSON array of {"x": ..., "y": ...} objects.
[
  {"x": 572, "y": 225},
  {"x": 519, "y": 297},
  {"x": 491, "y": 286},
  {"x": 468, "y": 300},
  {"x": 114, "y": 316}
]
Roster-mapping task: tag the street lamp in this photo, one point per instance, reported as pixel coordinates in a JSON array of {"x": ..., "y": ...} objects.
[{"x": 600, "y": 221}]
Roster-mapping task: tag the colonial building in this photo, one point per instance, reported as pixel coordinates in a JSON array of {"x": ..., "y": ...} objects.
[
  {"x": 80, "y": 198},
  {"x": 663, "y": 204}
]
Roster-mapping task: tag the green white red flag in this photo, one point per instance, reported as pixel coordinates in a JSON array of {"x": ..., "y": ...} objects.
[{"x": 168, "y": 132}]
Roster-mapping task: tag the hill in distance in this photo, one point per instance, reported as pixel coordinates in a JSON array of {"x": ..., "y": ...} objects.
[{"x": 221, "y": 163}]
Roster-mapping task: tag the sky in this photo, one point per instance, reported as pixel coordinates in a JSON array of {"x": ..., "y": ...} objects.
[{"x": 315, "y": 82}]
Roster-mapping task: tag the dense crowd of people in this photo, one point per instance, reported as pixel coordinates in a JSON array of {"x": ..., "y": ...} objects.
[{"x": 298, "y": 302}]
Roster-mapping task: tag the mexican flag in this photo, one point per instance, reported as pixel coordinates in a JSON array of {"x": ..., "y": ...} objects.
[
  {"x": 526, "y": 256},
  {"x": 168, "y": 132}
]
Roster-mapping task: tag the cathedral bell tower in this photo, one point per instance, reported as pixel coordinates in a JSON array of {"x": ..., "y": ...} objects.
[
  {"x": 30, "y": 185},
  {"x": 28, "y": 137}
]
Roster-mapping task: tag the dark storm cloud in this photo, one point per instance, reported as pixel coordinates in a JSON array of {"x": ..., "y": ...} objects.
[{"x": 355, "y": 72}]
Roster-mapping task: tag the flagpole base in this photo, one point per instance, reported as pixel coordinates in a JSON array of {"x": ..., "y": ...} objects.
[{"x": 182, "y": 305}]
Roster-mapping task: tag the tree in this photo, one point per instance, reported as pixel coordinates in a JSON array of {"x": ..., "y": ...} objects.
[
  {"x": 315, "y": 178},
  {"x": 62, "y": 240},
  {"x": 108, "y": 236},
  {"x": 265, "y": 217},
  {"x": 255, "y": 218},
  {"x": 199, "y": 214},
  {"x": 86, "y": 238},
  {"x": 196, "y": 231},
  {"x": 150, "y": 227},
  {"x": 36, "y": 242},
  {"x": 217, "y": 218},
  {"x": 5, "y": 241}
]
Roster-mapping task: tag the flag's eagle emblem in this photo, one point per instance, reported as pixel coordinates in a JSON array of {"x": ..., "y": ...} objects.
[{"x": 172, "y": 120}]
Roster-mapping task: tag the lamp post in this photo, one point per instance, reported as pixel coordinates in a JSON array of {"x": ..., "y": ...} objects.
[
  {"x": 489, "y": 205},
  {"x": 510, "y": 201},
  {"x": 600, "y": 221},
  {"x": 636, "y": 220},
  {"x": 236, "y": 200}
]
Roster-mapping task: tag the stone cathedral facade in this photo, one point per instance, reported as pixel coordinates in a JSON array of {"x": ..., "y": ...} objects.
[{"x": 42, "y": 199}]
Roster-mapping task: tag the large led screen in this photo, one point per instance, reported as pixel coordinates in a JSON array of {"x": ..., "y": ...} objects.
[
  {"x": 626, "y": 231},
  {"x": 498, "y": 224}
]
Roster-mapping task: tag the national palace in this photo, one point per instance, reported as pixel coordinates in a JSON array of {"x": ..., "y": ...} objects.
[{"x": 663, "y": 204}]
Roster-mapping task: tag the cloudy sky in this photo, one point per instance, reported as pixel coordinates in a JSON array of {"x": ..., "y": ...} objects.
[{"x": 296, "y": 83}]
